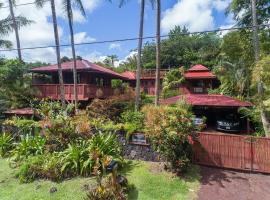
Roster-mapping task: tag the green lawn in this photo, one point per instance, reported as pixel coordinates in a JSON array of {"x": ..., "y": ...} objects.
[
  {"x": 149, "y": 184},
  {"x": 161, "y": 185}
]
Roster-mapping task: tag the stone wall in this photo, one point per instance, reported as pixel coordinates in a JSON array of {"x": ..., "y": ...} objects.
[{"x": 137, "y": 152}]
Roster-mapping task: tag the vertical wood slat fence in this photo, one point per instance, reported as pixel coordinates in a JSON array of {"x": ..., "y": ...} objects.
[{"x": 232, "y": 151}]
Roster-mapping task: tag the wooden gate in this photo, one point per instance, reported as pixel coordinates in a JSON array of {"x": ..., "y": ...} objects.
[{"x": 232, "y": 151}]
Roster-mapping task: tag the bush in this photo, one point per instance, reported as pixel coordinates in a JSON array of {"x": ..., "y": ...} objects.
[
  {"x": 100, "y": 124},
  {"x": 45, "y": 166},
  {"x": 6, "y": 144},
  {"x": 110, "y": 109},
  {"x": 133, "y": 121},
  {"x": 23, "y": 126},
  {"x": 76, "y": 160},
  {"x": 28, "y": 146},
  {"x": 168, "y": 129}
]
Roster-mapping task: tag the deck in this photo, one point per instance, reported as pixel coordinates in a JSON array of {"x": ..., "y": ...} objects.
[{"x": 85, "y": 91}]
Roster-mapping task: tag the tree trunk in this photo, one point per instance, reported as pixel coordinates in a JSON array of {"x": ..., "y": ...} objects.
[
  {"x": 260, "y": 90},
  {"x": 56, "y": 37},
  {"x": 15, "y": 27},
  {"x": 138, "y": 72},
  {"x": 73, "y": 53},
  {"x": 157, "y": 83}
]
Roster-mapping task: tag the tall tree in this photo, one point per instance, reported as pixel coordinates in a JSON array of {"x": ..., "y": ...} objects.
[
  {"x": 15, "y": 28},
  {"x": 139, "y": 55},
  {"x": 241, "y": 10},
  {"x": 111, "y": 59},
  {"x": 138, "y": 72},
  {"x": 40, "y": 3},
  {"x": 6, "y": 27},
  {"x": 68, "y": 9},
  {"x": 157, "y": 84},
  {"x": 260, "y": 87}
]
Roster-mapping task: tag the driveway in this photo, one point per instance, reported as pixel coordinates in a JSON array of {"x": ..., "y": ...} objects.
[{"x": 233, "y": 185}]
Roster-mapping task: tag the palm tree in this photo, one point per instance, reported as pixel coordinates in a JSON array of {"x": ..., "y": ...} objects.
[
  {"x": 138, "y": 71},
  {"x": 68, "y": 10},
  {"x": 157, "y": 84},
  {"x": 264, "y": 118},
  {"x": 112, "y": 59},
  {"x": 6, "y": 26},
  {"x": 15, "y": 28},
  {"x": 40, "y": 4}
]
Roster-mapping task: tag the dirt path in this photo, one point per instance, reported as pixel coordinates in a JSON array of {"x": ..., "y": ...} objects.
[{"x": 232, "y": 185}]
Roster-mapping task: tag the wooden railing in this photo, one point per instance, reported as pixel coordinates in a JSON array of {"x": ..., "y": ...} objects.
[
  {"x": 85, "y": 91},
  {"x": 151, "y": 73}
]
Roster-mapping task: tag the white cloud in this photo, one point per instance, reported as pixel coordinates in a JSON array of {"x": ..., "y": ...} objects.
[
  {"x": 41, "y": 32},
  {"x": 196, "y": 15},
  {"x": 83, "y": 37},
  {"x": 131, "y": 54},
  {"x": 116, "y": 46},
  {"x": 221, "y": 5}
]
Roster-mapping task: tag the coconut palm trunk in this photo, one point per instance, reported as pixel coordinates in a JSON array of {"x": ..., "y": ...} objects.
[
  {"x": 157, "y": 83},
  {"x": 58, "y": 57},
  {"x": 70, "y": 23},
  {"x": 138, "y": 72},
  {"x": 260, "y": 87},
  {"x": 15, "y": 27}
]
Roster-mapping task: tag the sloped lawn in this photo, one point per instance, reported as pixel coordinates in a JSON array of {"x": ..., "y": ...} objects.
[
  {"x": 152, "y": 182},
  {"x": 149, "y": 183}
]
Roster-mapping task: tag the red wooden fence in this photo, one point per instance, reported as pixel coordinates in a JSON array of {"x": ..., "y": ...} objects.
[{"x": 232, "y": 151}]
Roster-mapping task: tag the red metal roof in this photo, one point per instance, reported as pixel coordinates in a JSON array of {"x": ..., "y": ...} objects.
[
  {"x": 199, "y": 75},
  {"x": 82, "y": 65},
  {"x": 129, "y": 75},
  {"x": 20, "y": 111},
  {"x": 199, "y": 72},
  {"x": 208, "y": 100},
  {"x": 198, "y": 68}
]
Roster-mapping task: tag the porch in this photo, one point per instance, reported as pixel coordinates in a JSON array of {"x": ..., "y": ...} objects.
[{"x": 85, "y": 91}]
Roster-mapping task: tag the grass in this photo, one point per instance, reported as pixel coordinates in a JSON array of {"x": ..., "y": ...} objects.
[
  {"x": 159, "y": 185},
  {"x": 148, "y": 184}
]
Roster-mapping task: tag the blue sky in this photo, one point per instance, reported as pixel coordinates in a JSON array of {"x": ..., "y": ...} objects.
[{"x": 106, "y": 21}]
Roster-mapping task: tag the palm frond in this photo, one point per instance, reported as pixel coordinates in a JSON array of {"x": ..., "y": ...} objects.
[
  {"x": 40, "y": 3},
  {"x": 5, "y": 44},
  {"x": 79, "y": 5}
]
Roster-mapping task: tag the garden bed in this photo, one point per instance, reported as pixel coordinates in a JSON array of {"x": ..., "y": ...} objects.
[{"x": 148, "y": 184}]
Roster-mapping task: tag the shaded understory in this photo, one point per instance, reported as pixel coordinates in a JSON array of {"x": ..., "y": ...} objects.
[{"x": 149, "y": 180}]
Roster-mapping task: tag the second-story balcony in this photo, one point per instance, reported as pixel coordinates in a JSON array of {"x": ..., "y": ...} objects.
[{"x": 85, "y": 91}]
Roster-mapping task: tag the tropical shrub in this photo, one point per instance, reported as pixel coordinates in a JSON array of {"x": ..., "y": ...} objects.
[
  {"x": 171, "y": 82},
  {"x": 28, "y": 146},
  {"x": 106, "y": 192},
  {"x": 110, "y": 108},
  {"x": 45, "y": 166},
  {"x": 6, "y": 143},
  {"x": 133, "y": 121},
  {"x": 23, "y": 126},
  {"x": 76, "y": 159},
  {"x": 105, "y": 125},
  {"x": 169, "y": 128}
]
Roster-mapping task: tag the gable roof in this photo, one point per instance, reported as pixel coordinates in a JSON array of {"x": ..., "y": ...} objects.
[
  {"x": 198, "y": 68},
  {"x": 82, "y": 65},
  {"x": 199, "y": 72},
  {"x": 208, "y": 100},
  {"x": 129, "y": 75}
]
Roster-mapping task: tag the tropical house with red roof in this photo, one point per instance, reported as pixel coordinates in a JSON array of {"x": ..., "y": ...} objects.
[
  {"x": 93, "y": 81},
  {"x": 198, "y": 81},
  {"x": 96, "y": 81}
]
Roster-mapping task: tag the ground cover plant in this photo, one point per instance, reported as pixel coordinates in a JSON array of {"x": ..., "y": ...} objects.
[{"x": 148, "y": 184}]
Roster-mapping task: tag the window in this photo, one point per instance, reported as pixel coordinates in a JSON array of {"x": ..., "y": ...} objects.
[{"x": 138, "y": 138}]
